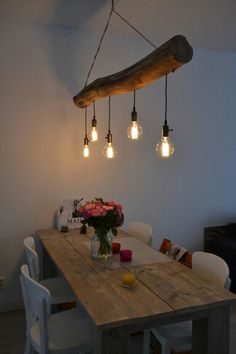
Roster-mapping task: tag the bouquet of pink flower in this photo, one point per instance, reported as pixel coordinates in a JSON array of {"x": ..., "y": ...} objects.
[{"x": 103, "y": 216}]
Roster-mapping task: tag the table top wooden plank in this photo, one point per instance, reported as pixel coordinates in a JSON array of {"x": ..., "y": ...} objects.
[
  {"x": 141, "y": 302},
  {"x": 161, "y": 288},
  {"x": 96, "y": 296},
  {"x": 49, "y": 234},
  {"x": 101, "y": 292},
  {"x": 141, "y": 253},
  {"x": 181, "y": 287}
]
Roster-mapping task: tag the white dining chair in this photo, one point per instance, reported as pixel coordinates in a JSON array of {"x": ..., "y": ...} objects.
[
  {"x": 59, "y": 289},
  {"x": 141, "y": 231},
  {"x": 212, "y": 267},
  {"x": 64, "y": 332},
  {"x": 178, "y": 336}
]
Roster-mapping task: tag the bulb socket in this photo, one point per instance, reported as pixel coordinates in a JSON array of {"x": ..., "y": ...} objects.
[
  {"x": 109, "y": 137},
  {"x": 134, "y": 115},
  {"x": 86, "y": 140},
  {"x": 94, "y": 122},
  {"x": 166, "y": 130}
]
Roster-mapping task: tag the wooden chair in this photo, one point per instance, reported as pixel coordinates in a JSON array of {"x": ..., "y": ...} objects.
[
  {"x": 178, "y": 336},
  {"x": 59, "y": 289},
  {"x": 141, "y": 231},
  {"x": 64, "y": 332}
]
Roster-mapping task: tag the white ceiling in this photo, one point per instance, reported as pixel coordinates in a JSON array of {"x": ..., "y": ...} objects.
[{"x": 209, "y": 24}]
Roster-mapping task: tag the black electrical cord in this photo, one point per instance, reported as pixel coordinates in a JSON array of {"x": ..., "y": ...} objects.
[
  {"x": 93, "y": 109},
  {"x": 85, "y": 121},
  {"x": 166, "y": 99},
  {"x": 104, "y": 31},
  {"x": 135, "y": 29},
  {"x": 109, "y": 115},
  {"x": 100, "y": 43}
]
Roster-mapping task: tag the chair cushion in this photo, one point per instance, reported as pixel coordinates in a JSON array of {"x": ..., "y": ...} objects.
[{"x": 231, "y": 230}]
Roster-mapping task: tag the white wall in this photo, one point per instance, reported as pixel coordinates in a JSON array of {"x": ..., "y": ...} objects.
[{"x": 42, "y": 135}]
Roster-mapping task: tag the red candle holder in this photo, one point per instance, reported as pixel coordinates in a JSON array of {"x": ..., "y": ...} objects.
[
  {"x": 125, "y": 255},
  {"x": 116, "y": 247}
]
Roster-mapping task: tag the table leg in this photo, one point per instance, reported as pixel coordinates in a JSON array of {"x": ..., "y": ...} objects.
[
  {"x": 98, "y": 342},
  {"x": 211, "y": 334},
  {"x": 112, "y": 341},
  {"x": 39, "y": 250}
]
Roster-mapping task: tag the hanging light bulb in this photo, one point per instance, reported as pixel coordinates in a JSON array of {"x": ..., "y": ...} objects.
[
  {"x": 94, "y": 132},
  {"x": 109, "y": 150},
  {"x": 165, "y": 148},
  {"x": 86, "y": 140},
  {"x": 134, "y": 131},
  {"x": 86, "y": 148}
]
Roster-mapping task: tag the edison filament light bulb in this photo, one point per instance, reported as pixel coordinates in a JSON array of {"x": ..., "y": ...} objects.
[
  {"x": 165, "y": 148},
  {"x": 134, "y": 131},
  {"x": 94, "y": 132},
  {"x": 109, "y": 150},
  {"x": 86, "y": 148}
]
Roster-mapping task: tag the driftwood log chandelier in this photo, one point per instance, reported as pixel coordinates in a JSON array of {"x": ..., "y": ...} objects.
[{"x": 163, "y": 60}]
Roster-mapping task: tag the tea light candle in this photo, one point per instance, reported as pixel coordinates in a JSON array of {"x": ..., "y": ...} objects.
[
  {"x": 128, "y": 279},
  {"x": 64, "y": 228},
  {"x": 125, "y": 255},
  {"x": 116, "y": 247}
]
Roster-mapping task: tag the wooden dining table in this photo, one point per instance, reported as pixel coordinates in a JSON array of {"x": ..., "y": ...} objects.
[{"x": 165, "y": 292}]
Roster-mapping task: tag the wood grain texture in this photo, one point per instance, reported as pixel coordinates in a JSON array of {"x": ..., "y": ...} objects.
[
  {"x": 180, "y": 287},
  {"x": 165, "y": 292},
  {"x": 141, "y": 253},
  {"x": 170, "y": 282},
  {"x": 163, "y": 60},
  {"x": 99, "y": 288}
]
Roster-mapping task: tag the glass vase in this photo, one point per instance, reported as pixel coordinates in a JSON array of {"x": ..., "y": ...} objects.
[{"x": 101, "y": 244}]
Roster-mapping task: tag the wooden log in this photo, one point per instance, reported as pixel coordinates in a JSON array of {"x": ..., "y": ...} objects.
[{"x": 167, "y": 58}]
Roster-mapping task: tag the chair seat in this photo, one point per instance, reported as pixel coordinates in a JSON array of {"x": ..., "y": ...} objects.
[
  {"x": 67, "y": 331},
  {"x": 177, "y": 336},
  {"x": 173, "y": 332},
  {"x": 59, "y": 289}
]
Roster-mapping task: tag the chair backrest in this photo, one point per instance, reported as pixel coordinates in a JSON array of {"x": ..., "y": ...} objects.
[
  {"x": 211, "y": 267},
  {"x": 37, "y": 306},
  {"x": 141, "y": 231},
  {"x": 32, "y": 258}
]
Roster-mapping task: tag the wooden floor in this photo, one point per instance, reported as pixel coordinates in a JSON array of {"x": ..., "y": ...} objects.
[{"x": 12, "y": 334}]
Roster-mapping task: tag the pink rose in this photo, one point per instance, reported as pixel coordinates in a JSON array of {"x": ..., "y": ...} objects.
[
  {"x": 115, "y": 205},
  {"x": 108, "y": 207},
  {"x": 97, "y": 210}
]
